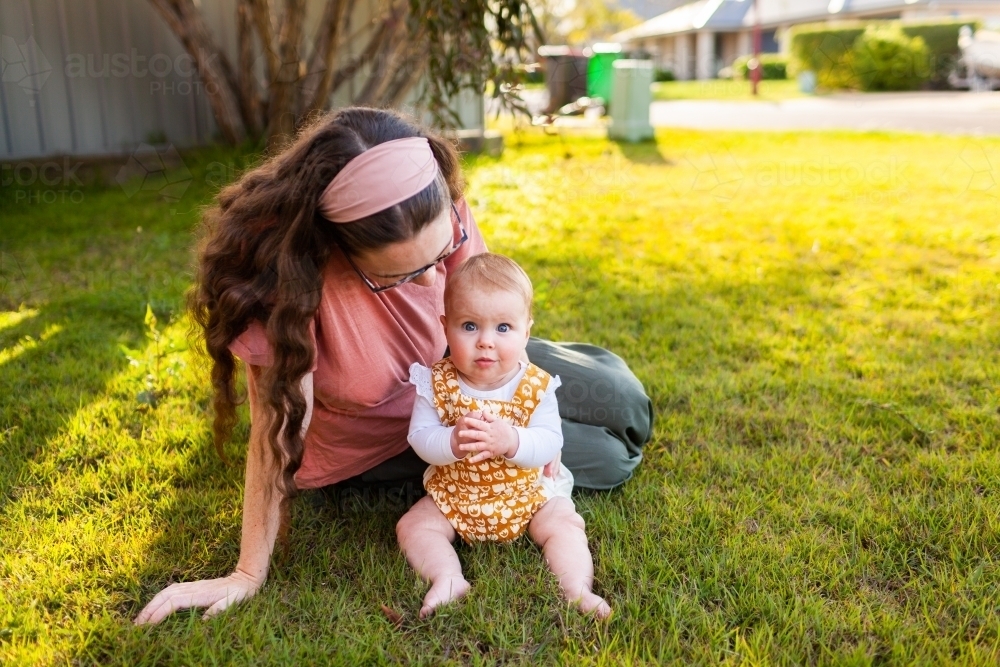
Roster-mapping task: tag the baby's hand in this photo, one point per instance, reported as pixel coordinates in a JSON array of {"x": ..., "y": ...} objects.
[
  {"x": 463, "y": 425},
  {"x": 488, "y": 437}
]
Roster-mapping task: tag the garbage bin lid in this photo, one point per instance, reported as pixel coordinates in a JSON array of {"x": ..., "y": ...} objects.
[
  {"x": 606, "y": 47},
  {"x": 549, "y": 51},
  {"x": 623, "y": 63}
]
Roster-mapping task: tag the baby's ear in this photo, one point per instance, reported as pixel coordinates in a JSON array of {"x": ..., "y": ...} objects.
[{"x": 444, "y": 321}]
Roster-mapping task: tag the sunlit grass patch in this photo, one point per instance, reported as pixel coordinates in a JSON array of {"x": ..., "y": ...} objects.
[{"x": 727, "y": 89}]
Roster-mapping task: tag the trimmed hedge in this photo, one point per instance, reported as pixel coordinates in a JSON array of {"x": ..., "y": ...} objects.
[
  {"x": 884, "y": 58},
  {"x": 825, "y": 48},
  {"x": 773, "y": 66}
]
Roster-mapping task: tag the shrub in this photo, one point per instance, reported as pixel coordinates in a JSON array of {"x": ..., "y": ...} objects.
[
  {"x": 773, "y": 66},
  {"x": 664, "y": 75},
  {"x": 885, "y": 58},
  {"x": 825, "y": 48}
]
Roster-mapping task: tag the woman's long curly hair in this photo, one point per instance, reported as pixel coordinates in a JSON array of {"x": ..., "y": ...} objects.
[{"x": 262, "y": 254}]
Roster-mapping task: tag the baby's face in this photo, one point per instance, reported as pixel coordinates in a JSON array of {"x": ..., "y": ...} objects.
[{"x": 487, "y": 331}]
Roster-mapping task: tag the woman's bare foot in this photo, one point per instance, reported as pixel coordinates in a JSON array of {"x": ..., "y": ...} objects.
[
  {"x": 443, "y": 591},
  {"x": 591, "y": 603}
]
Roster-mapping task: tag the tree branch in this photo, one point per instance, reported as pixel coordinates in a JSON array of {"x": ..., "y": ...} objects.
[
  {"x": 405, "y": 79},
  {"x": 249, "y": 99},
  {"x": 316, "y": 87},
  {"x": 385, "y": 60},
  {"x": 375, "y": 43},
  {"x": 185, "y": 21},
  {"x": 260, "y": 10}
]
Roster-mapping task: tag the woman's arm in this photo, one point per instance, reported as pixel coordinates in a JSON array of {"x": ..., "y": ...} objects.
[
  {"x": 261, "y": 517},
  {"x": 261, "y": 499}
]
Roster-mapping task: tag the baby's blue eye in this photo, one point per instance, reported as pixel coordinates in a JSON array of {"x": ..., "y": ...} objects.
[
  {"x": 469, "y": 326},
  {"x": 503, "y": 328}
]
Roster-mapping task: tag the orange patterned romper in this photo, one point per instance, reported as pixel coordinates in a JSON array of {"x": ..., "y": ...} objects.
[{"x": 492, "y": 500}]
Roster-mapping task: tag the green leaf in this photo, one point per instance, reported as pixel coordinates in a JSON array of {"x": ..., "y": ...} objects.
[{"x": 146, "y": 398}]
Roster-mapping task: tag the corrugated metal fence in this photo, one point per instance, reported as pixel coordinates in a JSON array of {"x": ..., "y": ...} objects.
[{"x": 92, "y": 77}]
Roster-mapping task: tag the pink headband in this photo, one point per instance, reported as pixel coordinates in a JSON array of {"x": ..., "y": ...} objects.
[{"x": 382, "y": 176}]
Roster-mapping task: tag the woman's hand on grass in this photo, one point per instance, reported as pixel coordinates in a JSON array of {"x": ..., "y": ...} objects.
[
  {"x": 261, "y": 521},
  {"x": 216, "y": 594}
]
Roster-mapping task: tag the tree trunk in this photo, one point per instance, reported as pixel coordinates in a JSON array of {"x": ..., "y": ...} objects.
[
  {"x": 454, "y": 44},
  {"x": 249, "y": 99},
  {"x": 281, "y": 111},
  {"x": 317, "y": 86},
  {"x": 186, "y": 23},
  {"x": 262, "y": 20}
]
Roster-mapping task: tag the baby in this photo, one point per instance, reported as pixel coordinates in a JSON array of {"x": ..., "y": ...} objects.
[{"x": 487, "y": 421}]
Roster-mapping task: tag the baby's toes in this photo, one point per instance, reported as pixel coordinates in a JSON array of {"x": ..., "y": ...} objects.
[
  {"x": 443, "y": 591},
  {"x": 591, "y": 603}
]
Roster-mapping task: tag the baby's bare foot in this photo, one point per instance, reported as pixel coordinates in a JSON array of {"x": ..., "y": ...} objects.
[
  {"x": 591, "y": 603},
  {"x": 443, "y": 591}
]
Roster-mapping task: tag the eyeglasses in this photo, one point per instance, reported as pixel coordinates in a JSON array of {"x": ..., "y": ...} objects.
[{"x": 376, "y": 288}]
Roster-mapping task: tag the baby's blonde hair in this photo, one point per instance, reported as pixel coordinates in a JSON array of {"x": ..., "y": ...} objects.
[{"x": 490, "y": 272}]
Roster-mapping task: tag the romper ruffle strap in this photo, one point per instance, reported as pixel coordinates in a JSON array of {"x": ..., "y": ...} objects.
[{"x": 420, "y": 377}]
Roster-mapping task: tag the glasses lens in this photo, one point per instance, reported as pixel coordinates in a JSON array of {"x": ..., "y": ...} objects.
[{"x": 459, "y": 237}]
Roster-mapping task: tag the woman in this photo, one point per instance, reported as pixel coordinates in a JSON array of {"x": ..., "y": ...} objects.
[{"x": 319, "y": 269}]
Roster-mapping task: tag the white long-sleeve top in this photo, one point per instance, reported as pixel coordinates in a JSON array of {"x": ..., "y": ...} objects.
[{"x": 539, "y": 441}]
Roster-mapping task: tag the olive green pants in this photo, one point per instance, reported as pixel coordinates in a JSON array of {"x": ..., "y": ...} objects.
[{"x": 606, "y": 419}]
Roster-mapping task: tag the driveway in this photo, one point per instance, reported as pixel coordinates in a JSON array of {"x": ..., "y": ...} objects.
[{"x": 943, "y": 112}]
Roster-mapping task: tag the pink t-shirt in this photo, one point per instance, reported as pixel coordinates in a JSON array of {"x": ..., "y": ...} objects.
[{"x": 365, "y": 344}]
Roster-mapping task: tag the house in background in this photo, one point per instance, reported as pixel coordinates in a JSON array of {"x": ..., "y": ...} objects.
[
  {"x": 647, "y": 9},
  {"x": 699, "y": 38}
]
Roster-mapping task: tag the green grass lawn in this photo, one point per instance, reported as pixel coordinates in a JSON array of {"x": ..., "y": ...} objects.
[
  {"x": 813, "y": 314},
  {"x": 726, "y": 89}
]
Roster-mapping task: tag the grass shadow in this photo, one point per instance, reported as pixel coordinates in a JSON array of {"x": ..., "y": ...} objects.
[
  {"x": 67, "y": 354},
  {"x": 643, "y": 152}
]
